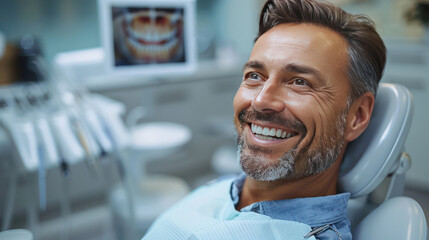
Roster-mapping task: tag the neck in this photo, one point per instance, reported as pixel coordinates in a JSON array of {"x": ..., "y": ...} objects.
[{"x": 322, "y": 184}]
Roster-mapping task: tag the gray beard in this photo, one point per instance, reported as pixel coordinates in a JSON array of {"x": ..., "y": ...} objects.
[
  {"x": 259, "y": 168},
  {"x": 319, "y": 158}
]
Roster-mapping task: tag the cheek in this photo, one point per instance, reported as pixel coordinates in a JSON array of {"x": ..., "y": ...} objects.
[
  {"x": 242, "y": 100},
  {"x": 312, "y": 108},
  {"x": 298, "y": 102},
  {"x": 321, "y": 116},
  {"x": 303, "y": 107},
  {"x": 314, "y": 112}
]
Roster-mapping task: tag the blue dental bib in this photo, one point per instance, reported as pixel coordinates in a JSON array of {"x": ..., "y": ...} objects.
[{"x": 209, "y": 214}]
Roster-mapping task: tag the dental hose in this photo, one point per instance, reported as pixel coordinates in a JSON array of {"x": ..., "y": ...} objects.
[
  {"x": 64, "y": 167},
  {"x": 42, "y": 178},
  {"x": 32, "y": 213},
  {"x": 126, "y": 180},
  {"x": 117, "y": 155},
  {"x": 10, "y": 201},
  {"x": 65, "y": 201},
  {"x": 41, "y": 154},
  {"x": 65, "y": 204},
  {"x": 105, "y": 177},
  {"x": 11, "y": 190}
]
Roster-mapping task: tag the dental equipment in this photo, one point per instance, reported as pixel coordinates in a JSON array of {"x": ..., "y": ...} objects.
[
  {"x": 35, "y": 146},
  {"x": 51, "y": 124}
]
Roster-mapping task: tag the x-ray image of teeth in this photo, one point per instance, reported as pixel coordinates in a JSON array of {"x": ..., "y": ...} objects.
[{"x": 148, "y": 35}]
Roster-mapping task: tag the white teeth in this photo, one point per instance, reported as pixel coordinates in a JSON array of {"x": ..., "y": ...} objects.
[
  {"x": 279, "y": 133},
  {"x": 153, "y": 36},
  {"x": 258, "y": 130},
  {"x": 266, "y": 138},
  {"x": 267, "y": 133}
]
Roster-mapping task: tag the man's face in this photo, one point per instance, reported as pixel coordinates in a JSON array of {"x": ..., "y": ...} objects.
[{"x": 290, "y": 110}]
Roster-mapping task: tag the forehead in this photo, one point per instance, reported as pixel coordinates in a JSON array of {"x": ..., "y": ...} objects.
[{"x": 303, "y": 44}]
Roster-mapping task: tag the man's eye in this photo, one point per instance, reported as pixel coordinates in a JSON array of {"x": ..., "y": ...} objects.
[
  {"x": 300, "y": 82},
  {"x": 253, "y": 76}
]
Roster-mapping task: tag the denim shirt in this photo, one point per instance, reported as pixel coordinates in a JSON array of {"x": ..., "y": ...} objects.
[{"x": 314, "y": 211}]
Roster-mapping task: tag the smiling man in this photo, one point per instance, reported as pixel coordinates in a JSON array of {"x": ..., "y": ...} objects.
[{"x": 308, "y": 89}]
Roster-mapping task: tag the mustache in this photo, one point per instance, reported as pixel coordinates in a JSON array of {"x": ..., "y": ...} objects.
[{"x": 288, "y": 122}]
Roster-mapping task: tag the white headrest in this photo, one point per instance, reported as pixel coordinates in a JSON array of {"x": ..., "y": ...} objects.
[{"x": 370, "y": 158}]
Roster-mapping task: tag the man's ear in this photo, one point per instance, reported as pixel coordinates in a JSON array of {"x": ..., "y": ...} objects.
[{"x": 358, "y": 116}]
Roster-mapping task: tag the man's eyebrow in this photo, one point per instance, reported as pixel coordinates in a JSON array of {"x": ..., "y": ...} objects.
[
  {"x": 304, "y": 70},
  {"x": 254, "y": 64}
]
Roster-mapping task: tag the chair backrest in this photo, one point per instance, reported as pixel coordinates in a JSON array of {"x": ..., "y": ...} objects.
[
  {"x": 371, "y": 157},
  {"x": 376, "y": 156}
]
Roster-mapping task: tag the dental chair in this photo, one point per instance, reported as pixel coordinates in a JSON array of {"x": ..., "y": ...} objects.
[{"x": 373, "y": 171}]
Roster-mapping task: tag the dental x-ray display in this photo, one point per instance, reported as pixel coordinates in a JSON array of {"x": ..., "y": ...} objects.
[{"x": 148, "y": 37}]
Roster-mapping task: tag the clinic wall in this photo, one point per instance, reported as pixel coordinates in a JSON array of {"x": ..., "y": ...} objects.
[
  {"x": 388, "y": 16},
  {"x": 59, "y": 25},
  {"x": 236, "y": 25}
]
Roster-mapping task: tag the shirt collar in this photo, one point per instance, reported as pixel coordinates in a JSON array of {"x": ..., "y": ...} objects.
[{"x": 314, "y": 211}]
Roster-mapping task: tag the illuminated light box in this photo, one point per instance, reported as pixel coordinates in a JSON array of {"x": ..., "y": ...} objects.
[{"x": 148, "y": 37}]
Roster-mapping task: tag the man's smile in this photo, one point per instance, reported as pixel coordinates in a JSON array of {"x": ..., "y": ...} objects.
[
  {"x": 273, "y": 133},
  {"x": 266, "y": 137}
]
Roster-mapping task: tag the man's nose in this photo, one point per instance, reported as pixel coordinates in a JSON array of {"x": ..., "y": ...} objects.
[{"x": 269, "y": 99}]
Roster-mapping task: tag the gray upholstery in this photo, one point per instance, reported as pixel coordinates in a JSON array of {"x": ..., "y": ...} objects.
[{"x": 373, "y": 171}]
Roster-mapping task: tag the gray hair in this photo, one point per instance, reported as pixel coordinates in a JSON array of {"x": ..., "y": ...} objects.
[{"x": 366, "y": 50}]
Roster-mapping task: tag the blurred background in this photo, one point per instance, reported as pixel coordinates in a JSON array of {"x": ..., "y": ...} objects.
[{"x": 165, "y": 134}]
